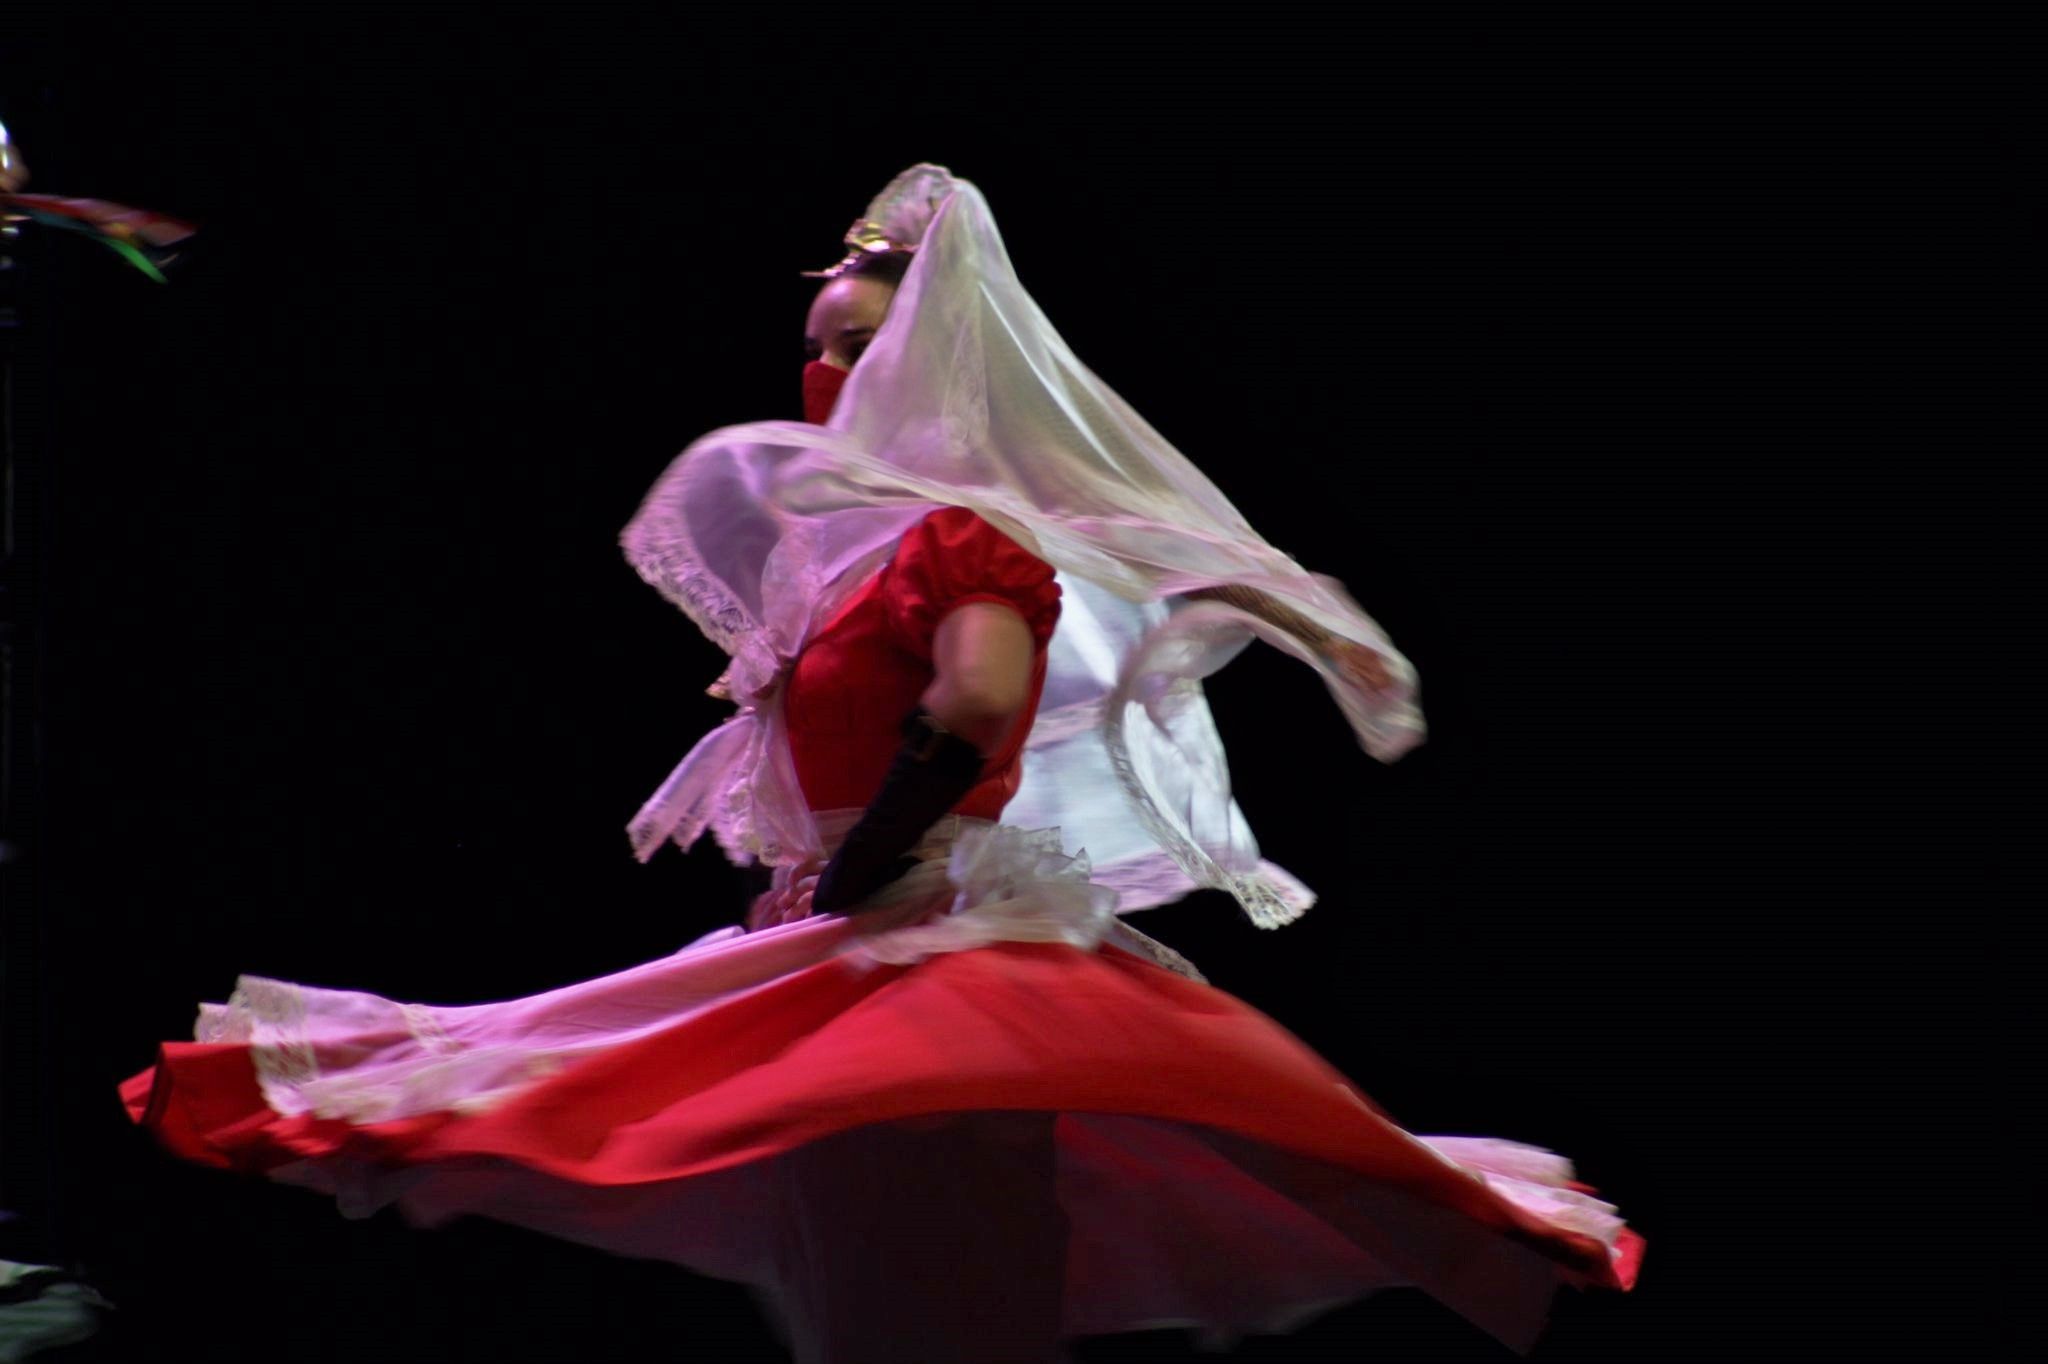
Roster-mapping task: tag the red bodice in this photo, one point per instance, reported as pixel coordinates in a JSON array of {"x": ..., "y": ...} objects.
[{"x": 861, "y": 674}]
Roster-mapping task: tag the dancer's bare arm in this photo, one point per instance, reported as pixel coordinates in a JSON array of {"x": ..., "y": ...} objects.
[
  {"x": 981, "y": 656},
  {"x": 1357, "y": 662}
]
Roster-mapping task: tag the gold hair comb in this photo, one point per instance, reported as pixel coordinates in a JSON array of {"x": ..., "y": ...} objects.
[{"x": 865, "y": 238}]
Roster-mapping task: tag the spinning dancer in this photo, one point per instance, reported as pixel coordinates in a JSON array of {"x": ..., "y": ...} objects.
[{"x": 934, "y": 1099}]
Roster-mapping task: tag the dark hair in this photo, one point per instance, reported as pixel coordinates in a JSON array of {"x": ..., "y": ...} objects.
[{"x": 888, "y": 266}]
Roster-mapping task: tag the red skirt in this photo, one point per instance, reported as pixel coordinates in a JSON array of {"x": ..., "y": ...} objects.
[{"x": 1029, "y": 1140}]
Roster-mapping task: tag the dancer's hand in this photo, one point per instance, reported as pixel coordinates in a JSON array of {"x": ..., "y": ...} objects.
[
  {"x": 1362, "y": 666},
  {"x": 788, "y": 903}
]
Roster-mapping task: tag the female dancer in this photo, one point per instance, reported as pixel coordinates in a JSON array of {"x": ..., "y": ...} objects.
[{"x": 935, "y": 1100}]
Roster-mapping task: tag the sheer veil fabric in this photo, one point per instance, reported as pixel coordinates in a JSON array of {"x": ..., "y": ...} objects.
[{"x": 968, "y": 397}]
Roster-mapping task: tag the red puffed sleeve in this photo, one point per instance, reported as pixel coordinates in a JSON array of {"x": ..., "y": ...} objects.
[{"x": 953, "y": 557}]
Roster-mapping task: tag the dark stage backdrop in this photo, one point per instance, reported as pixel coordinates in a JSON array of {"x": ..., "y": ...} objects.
[{"x": 1636, "y": 379}]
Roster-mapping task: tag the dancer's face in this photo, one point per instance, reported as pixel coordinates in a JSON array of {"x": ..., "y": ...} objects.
[{"x": 844, "y": 317}]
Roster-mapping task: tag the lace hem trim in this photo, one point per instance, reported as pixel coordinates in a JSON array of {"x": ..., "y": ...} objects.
[{"x": 1269, "y": 896}]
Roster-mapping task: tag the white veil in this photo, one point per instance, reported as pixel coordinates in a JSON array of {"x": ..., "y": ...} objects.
[{"x": 967, "y": 397}]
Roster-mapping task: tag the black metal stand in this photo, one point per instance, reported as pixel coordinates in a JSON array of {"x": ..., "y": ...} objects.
[{"x": 27, "y": 1185}]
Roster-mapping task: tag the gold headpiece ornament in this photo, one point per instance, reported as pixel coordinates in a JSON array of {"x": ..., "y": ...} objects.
[
  {"x": 865, "y": 238},
  {"x": 897, "y": 218}
]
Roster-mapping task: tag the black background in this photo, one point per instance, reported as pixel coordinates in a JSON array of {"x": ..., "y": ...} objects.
[{"x": 1644, "y": 382}]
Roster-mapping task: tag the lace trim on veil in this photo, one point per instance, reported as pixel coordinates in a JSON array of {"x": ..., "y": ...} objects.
[{"x": 665, "y": 555}]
